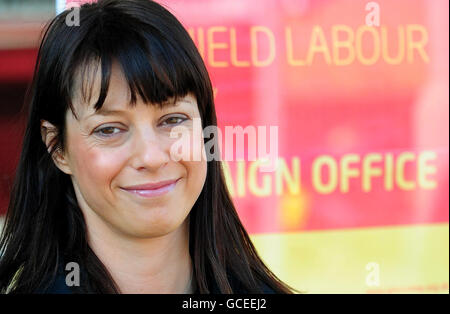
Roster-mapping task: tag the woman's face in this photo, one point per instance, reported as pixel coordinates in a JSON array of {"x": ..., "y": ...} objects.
[{"x": 111, "y": 154}]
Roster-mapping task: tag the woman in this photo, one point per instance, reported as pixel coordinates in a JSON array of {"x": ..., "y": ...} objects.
[{"x": 97, "y": 185}]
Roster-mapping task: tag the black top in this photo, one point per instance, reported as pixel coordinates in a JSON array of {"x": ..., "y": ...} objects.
[{"x": 59, "y": 286}]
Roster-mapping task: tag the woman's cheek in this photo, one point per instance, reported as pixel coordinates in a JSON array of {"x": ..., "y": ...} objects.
[
  {"x": 98, "y": 166},
  {"x": 196, "y": 171},
  {"x": 196, "y": 166}
]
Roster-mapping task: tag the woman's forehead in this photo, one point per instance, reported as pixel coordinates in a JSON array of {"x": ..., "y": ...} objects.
[
  {"x": 87, "y": 84},
  {"x": 87, "y": 89}
]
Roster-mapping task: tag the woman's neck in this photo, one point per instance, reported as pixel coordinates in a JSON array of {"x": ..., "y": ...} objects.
[{"x": 154, "y": 265}]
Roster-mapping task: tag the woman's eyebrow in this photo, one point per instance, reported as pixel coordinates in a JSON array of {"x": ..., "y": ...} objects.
[
  {"x": 172, "y": 104},
  {"x": 108, "y": 112}
]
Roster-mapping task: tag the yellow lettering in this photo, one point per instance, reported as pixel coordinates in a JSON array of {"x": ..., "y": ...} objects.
[
  {"x": 292, "y": 181},
  {"x": 400, "y": 171},
  {"x": 289, "y": 49},
  {"x": 347, "y": 172},
  {"x": 319, "y": 162},
  {"x": 233, "y": 50},
  {"x": 318, "y": 44},
  {"x": 212, "y": 46},
  {"x": 240, "y": 175},
  {"x": 389, "y": 172},
  {"x": 254, "y": 44},
  {"x": 417, "y": 45},
  {"x": 266, "y": 188},
  {"x": 343, "y": 44},
  {"x": 359, "y": 45},
  {"x": 401, "y": 46},
  {"x": 228, "y": 177},
  {"x": 423, "y": 170},
  {"x": 369, "y": 171}
]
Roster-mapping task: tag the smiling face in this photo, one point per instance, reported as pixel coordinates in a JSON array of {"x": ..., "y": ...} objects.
[{"x": 112, "y": 153}]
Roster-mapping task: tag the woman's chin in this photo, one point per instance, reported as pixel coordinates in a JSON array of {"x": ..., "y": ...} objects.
[{"x": 145, "y": 228}]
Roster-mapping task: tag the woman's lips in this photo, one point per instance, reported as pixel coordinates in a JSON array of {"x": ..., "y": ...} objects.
[{"x": 152, "y": 189}]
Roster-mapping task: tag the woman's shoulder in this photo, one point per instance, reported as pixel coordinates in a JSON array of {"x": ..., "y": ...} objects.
[
  {"x": 57, "y": 286},
  {"x": 267, "y": 290},
  {"x": 239, "y": 289},
  {"x": 263, "y": 287}
]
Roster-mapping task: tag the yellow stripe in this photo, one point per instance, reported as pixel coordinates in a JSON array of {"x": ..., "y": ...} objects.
[{"x": 410, "y": 259}]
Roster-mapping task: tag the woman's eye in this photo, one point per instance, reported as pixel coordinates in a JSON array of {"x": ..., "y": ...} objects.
[
  {"x": 173, "y": 120},
  {"x": 107, "y": 131}
]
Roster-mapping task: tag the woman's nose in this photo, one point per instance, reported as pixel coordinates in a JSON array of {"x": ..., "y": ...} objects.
[{"x": 150, "y": 151}]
